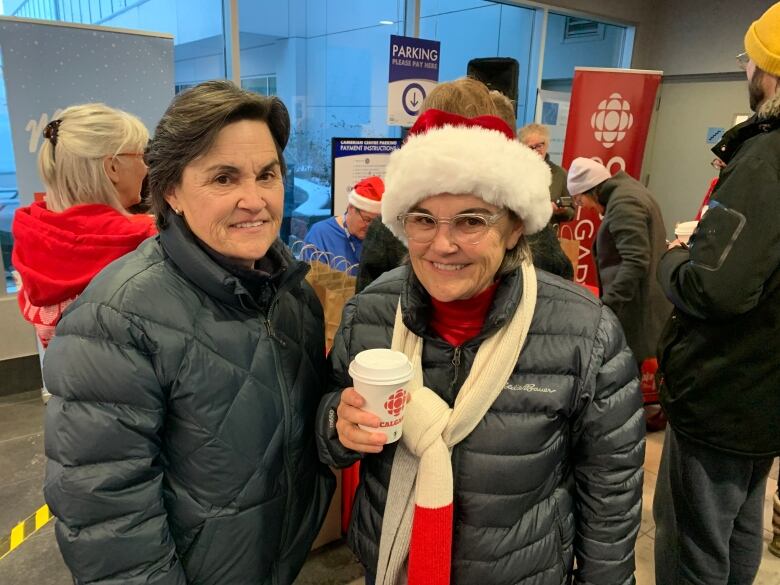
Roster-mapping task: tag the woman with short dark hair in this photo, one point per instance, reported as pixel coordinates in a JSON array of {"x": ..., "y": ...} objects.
[{"x": 186, "y": 378}]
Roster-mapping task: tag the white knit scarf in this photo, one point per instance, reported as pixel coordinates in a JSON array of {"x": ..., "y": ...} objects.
[{"x": 421, "y": 479}]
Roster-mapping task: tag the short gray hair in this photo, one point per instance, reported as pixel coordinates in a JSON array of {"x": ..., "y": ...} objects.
[
  {"x": 70, "y": 163},
  {"x": 189, "y": 128},
  {"x": 529, "y": 129}
]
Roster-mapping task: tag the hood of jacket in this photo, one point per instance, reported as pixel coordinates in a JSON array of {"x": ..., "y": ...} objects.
[{"x": 58, "y": 253}]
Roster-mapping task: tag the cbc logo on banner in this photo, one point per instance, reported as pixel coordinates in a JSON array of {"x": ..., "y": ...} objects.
[{"x": 611, "y": 120}]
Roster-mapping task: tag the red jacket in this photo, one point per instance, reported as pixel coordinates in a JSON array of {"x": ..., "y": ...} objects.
[{"x": 56, "y": 254}]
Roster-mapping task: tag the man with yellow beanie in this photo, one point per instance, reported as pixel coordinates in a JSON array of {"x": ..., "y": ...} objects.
[{"x": 721, "y": 378}]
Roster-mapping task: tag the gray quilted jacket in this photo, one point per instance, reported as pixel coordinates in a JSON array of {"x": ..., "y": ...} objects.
[
  {"x": 180, "y": 434},
  {"x": 553, "y": 473}
]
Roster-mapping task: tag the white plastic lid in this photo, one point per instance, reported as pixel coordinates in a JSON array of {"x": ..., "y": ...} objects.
[
  {"x": 685, "y": 228},
  {"x": 381, "y": 366}
]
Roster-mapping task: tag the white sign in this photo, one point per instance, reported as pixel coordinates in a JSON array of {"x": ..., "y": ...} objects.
[{"x": 414, "y": 71}]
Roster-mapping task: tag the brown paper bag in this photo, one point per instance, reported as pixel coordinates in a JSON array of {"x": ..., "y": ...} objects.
[{"x": 333, "y": 283}]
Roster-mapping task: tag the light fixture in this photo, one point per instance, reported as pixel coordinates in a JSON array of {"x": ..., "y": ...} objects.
[{"x": 386, "y": 22}]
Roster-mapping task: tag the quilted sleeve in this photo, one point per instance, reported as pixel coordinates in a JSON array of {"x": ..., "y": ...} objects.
[
  {"x": 104, "y": 476},
  {"x": 608, "y": 454}
]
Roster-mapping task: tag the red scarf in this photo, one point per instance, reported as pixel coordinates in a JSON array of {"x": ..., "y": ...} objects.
[
  {"x": 57, "y": 253},
  {"x": 458, "y": 321}
]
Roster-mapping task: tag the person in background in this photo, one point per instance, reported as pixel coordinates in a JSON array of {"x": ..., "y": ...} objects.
[
  {"x": 91, "y": 163},
  {"x": 718, "y": 358},
  {"x": 627, "y": 247},
  {"x": 523, "y": 442},
  {"x": 342, "y": 236},
  {"x": 537, "y": 138},
  {"x": 185, "y": 379},
  {"x": 545, "y": 247}
]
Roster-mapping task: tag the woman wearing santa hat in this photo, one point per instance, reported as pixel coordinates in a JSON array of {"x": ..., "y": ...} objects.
[{"x": 523, "y": 441}]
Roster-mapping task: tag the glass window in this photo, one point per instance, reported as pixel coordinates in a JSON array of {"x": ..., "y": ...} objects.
[
  {"x": 9, "y": 196},
  {"x": 328, "y": 62},
  {"x": 199, "y": 55},
  {"x": 574, "y": 42},
  {"x": 577, "y": 42},
  {"x": 470, "y": 29}
]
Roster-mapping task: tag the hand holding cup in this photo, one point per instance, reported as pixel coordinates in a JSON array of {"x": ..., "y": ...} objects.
[{"x": 351, "y": 414}]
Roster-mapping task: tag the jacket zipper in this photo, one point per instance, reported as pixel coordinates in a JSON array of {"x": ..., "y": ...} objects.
[
  {"x": 456, "y": 364},
  {"x": 285, "y": 411},
  {"x": 454, "y": 456}
]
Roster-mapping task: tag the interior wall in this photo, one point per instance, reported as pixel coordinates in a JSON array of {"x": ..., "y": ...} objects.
[{"x": 680, "y": 171}]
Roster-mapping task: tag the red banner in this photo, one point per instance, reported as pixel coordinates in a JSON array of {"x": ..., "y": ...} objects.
[{"x": 609, "y": 117}]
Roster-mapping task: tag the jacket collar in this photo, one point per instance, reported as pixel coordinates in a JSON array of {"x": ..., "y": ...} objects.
[
  {"x": 416, "y": 306},
  {"x": 767, "y": 120},
  {"x": 182, "y": 247},
  {"x": 608, "y": 187}
]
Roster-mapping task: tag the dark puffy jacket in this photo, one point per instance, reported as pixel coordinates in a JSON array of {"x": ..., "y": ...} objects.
[
  {"x": 719, "y": 350},
  {"x": 554, "y": 470},
  {"x": 179, "y": 436},
  {"x": 627, "y": 248}
]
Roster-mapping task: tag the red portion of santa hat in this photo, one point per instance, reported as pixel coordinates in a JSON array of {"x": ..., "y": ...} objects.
[
  {"x": 367, "y": 194},
  {"x": 438, "y": 119}
]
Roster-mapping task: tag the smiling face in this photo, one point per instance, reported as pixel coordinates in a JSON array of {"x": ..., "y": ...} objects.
[
  {"x": 450, "y": 271},
  {"x": 232, "y": 197}
]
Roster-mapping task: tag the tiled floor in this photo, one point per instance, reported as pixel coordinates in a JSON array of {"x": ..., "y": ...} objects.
[{"x": 38, "y": 562}]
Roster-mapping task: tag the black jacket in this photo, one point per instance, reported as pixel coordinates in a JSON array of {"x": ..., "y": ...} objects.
[
  {"x": 627, "y": 248},
  {"x": 554, "y": 470},
  {"x": 721, "y": 374},
  {"x": 180, "y": 434}
]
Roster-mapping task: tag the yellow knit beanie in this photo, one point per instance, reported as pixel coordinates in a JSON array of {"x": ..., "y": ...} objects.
[{"x": 762, "y": 41}]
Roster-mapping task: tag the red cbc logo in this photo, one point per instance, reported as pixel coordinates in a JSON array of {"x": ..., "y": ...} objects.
[{"x": 395, "y": 402}]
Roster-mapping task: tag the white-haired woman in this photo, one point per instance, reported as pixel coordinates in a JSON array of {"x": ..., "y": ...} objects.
[
  {"x": 91, "y": 162},
  {"x": 523, "y": 443}
]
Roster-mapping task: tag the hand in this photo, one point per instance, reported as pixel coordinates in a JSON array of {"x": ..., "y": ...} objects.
[
  {"x": 678, "y": 243},
  {"x": 350, "y": 415},
  {"x": 555, "y": 208}
]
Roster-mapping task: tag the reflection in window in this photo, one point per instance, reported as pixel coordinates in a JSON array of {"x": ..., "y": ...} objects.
[
  {"x": 199, "y": 55},
  {"x": 262, "y": 84},
  {"x": 328, "y": 62}
]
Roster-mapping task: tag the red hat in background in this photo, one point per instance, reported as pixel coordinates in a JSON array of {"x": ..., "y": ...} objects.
[{"x": 367, "y": 195}]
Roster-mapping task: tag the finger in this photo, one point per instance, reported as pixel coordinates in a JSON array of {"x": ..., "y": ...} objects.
[
  {"x": 357, "y": 416},
  {"x": 351, "y": 397},
  {"x": 355, "y": 438}
]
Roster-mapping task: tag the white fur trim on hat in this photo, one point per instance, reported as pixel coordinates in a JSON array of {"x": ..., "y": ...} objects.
[
  {"x": 467, "y": 160},
  {"x": 584, "y": 174},
  {"x": 364, "y": 203}
]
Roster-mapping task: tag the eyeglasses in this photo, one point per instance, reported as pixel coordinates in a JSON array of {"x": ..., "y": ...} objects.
[
  {"x": 465, "y": 228},
  {"x": 538, "y": 146},
  {"x": 742, "y": 60},
  {"x": 365, "y": 218}
]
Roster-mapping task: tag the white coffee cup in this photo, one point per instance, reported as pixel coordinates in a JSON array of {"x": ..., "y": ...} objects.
[
  {"x": 381, "y": 376},
  {"x": 684, "y": 230}
]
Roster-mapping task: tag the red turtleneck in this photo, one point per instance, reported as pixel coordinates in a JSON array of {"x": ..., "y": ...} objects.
[{"x": 458, "y": 321}]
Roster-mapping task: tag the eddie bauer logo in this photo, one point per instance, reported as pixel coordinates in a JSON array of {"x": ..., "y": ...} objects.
[
  {"x": 612, "y": 120},
  {"x": 394, "y": 405},
  {"x": 529, "y": 388}
]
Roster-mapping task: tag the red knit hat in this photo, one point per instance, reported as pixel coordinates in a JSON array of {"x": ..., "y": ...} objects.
[{"x": 367, "y": 195}]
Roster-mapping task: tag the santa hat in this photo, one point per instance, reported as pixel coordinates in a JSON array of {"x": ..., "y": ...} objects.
[
  {"x": 584, "y": 174},
  {"x": 447, "y": 153},
  {"x": 367, "y": 195}
]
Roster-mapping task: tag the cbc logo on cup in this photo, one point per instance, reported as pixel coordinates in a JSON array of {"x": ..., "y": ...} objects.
[
  {"x": 395, "y": 402},
  {"x": 612, "y": 120}
]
